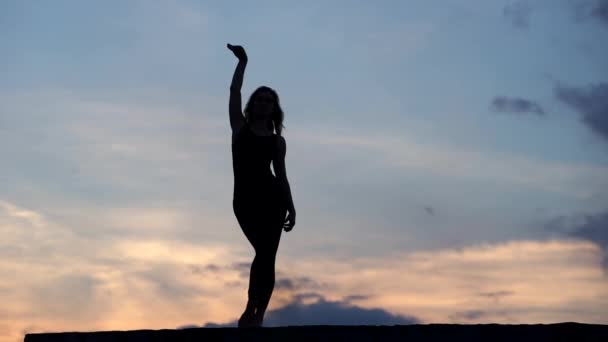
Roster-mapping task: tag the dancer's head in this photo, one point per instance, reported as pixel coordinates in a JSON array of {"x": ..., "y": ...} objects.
[{"x": 264, "y": 105}]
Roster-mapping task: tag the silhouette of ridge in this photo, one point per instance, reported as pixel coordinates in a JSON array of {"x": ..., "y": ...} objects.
[{"x": 568, "y": 331}]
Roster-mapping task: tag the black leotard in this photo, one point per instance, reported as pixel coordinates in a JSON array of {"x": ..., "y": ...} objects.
[{"x": 257, "y": 196}]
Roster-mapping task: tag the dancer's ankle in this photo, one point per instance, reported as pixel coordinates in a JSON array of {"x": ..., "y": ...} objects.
[
  {"x": 251, "y": 305},
  {"x": 257, "y": 319}
]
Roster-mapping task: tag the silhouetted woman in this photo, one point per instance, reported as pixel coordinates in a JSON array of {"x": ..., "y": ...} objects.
[{"x": 260, "y": 200}]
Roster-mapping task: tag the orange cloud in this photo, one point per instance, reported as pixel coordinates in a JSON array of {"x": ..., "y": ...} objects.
[{"x": 54, "y": 280}]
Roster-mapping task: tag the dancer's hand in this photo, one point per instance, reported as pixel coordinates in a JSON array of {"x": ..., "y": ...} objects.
[
  {"x": 238, "y": 51},
  {"x": 290, "y": 221}
]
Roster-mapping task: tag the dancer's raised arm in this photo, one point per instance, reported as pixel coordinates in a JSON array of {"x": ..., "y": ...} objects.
[{"x": 234, "y": 107}]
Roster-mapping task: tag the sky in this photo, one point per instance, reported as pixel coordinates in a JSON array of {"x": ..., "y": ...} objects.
[{"x": 448, "y": 161}]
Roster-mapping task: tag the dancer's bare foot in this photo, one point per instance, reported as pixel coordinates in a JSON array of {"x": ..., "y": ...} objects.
[
  {"x": 247, "y": 319},
  {"x": 257, "y": 320}
]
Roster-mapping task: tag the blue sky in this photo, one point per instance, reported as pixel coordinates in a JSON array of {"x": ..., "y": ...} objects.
[{"x": 115, "y": 141}]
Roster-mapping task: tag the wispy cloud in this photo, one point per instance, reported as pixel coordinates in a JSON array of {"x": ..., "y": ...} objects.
[
  {"x": 516, "y": 105},
  {"x": 518, "y": 13},
  {"x": 600, "y": 11},
  {"x": 454, "y": 162},
  {"x": 591, "y": 9},
  {"x": 134, "y": 168},
  {"x": 496, "y": 295},
  {"x": 149, "y": 283},
  {"x": 590, "y": 102}
]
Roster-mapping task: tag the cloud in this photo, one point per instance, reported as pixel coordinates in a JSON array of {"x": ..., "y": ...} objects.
[
  {"x": 188, "y": 326},
  {"x": 590, "y": 102},
  {"x": 138, "y": 167},
  {"x": 595, "y": 229},
  {"x": 468, "y": 315},
  {"x": 164, "y": 280},
  {"x": 499, "y": 282},
  {"x": 289, "y": 284},
  {"x": 589, "y": 227},
  {"x": 203, "y": 269},
  {"x": 130, "y": 283},
  {"x": 591, "y": 9},
  {"x": 405, "y": 156},
  {"x": 600, "y": 11},
  {"x": 335, "y": 313},
  {"x": 242, "y": 267},
  {"x": 516, "y": 105},
  {"x": 327, "y": 312},
  {"x": 73, "y": 294},
  {"x": 296, "y": 283},
  {"x": 518, "y": 13},
  {"x": 350, "y": 298},
  {"x": 72, "y": 281},
  {"x": 475, "y": 315},
  {"x": 430, "y": 210},
  {"x": 496, "y": 295}
]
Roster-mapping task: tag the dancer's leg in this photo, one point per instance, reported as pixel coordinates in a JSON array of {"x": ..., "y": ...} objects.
[
  {"x": 267, "y": 257},
  {"x": 266, "y": 285},
  {"x": 247, "y": 318}
]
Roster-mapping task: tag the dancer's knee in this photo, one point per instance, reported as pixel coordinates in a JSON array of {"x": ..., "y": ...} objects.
[{"x": 266, "y": 257}]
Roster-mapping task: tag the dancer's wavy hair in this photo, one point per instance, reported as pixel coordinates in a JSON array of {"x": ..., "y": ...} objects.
[{"x": 277, "y": 116}]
